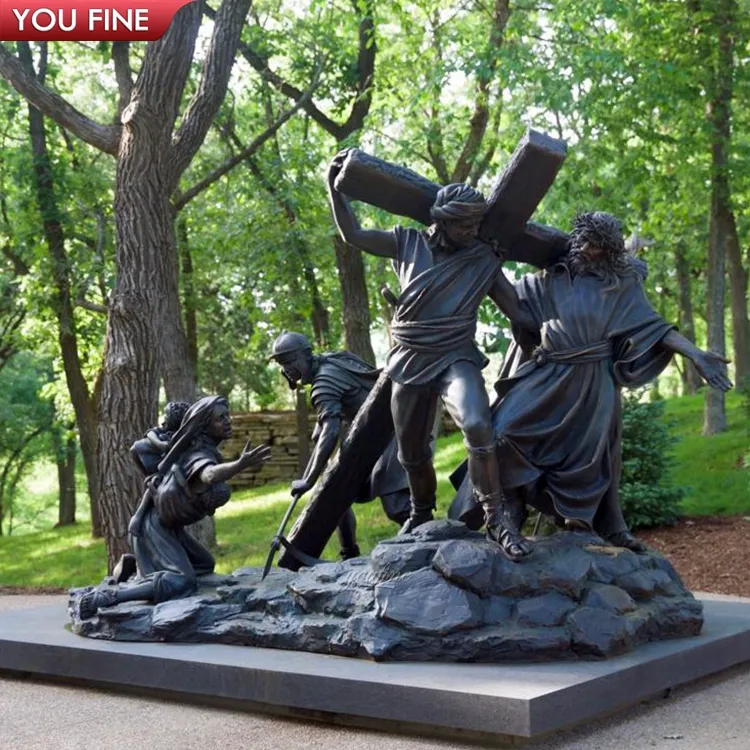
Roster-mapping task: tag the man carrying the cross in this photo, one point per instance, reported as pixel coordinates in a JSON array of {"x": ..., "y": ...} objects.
[{"x": 445, "y": 273}]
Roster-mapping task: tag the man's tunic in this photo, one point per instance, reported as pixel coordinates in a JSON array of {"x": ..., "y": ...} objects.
[{"x": 436, "y": 315}]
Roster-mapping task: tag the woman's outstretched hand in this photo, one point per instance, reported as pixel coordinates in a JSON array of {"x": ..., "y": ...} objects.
[{"x": 254, "y": 457}]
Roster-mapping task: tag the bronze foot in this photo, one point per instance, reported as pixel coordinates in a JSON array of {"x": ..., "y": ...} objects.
[
  {"x": 627, "y": 540},
  {"x": 91, "y": 602},
  {"x": 417, "y": 518},
  {"x": 512, "y": 544}
]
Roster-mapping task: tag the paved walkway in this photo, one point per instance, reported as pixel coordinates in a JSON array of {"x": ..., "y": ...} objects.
[{"x": 711, "y": 714}]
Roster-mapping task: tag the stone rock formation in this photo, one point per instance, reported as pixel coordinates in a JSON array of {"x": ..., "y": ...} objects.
[{"x": 443, "y": 593}]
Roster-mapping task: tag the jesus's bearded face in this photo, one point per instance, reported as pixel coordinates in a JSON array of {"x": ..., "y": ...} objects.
[{"x": 597, "y": 247}]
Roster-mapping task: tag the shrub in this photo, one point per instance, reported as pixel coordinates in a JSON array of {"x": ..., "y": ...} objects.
[{"x": 646, "y": 494}]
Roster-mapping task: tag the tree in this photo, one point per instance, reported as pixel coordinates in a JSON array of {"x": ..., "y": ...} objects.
[
  {"x": 350, "y": 80},
  {"x": 145, "y": 337},
  {"x": 81, "y": 395},
  {"x": 25, "y": 419},
  {"x": 714, "y": 21}
]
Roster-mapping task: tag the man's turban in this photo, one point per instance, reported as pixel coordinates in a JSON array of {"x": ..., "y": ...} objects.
[{"x": 458, "y": 202}]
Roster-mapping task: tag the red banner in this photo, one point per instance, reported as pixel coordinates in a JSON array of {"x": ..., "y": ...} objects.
[{"x": 86, "y": 20}]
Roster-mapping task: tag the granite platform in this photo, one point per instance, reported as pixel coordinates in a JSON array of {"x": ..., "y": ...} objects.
[{"x": 496, "y": 700}]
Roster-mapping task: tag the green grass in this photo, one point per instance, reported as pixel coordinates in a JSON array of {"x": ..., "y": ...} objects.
[
  {"x": 244, "y": 527},
  {"x": 709, "y": 467}
]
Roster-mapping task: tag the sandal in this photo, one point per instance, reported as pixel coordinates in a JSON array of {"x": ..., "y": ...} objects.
[
  {"x": 91, "y": 601},
  {"x": 512, "y": 544}
]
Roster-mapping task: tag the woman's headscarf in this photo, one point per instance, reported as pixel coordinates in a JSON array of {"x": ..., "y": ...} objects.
[{"x": 194, "y": 423}]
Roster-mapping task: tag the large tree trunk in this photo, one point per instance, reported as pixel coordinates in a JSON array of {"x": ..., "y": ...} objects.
[
  {"x": 80, "y": 396},
  {"x": 714, "y": 414},
  {"x": 738, "y": 277},
  {"x": 130, "y": 385},
  {"x": 691, "y": 381},
  {"x": 719, "y": 119},
  {"x": 177, "y": 369},
  {"x": 145, "y": 337},
  {"x": 354, "y": 299},
  {"x": 188, "y": 295},
  {"x": 66, "y": 480}
]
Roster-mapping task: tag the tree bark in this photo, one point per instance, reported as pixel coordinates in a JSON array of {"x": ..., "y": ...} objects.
[
  {"x": 66, "y": 480},
  {"x": 738, "y": 278},
  {"x": 130, "y": 386},
  {"x": 80, "y": 396},
  {"x": 719, "y": 117},
  {"x": 145, "y": 337},
  {"x": 714, "y": 414},
  {"x": 188, "y": 295},
  {"x": 176, "y": 362},
  {"x": 691, "y": 381},
  {"x": 354, "y": 299}
]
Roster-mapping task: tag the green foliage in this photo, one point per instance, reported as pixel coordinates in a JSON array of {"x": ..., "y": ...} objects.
[
  {"x": 26, "y": 419},
  {"x": 744, "y": 392},
  {"x": 647, "y": 495}
]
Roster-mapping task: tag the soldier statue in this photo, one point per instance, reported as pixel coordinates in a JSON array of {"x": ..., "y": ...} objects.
[{"x": 340, "y": 382}]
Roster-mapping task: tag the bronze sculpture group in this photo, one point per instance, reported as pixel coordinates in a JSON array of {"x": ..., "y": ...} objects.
[{"x": 582, "y": 329}]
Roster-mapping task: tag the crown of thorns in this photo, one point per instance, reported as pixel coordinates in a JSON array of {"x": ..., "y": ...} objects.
[{"x": 599, "y": 229}]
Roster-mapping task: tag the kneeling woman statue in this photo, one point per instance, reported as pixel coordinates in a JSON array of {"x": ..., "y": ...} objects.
[{"x": 191, "y": 483}]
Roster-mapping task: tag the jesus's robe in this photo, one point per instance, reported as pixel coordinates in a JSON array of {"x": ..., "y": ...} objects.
[{"x": 557, "y": 416}]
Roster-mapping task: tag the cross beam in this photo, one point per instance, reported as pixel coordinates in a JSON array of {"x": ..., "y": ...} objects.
[
  {"x": 524, "y": 182},
  {"x": 366, "y": 439}
]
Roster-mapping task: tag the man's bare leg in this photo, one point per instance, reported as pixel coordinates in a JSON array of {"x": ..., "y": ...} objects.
[
  {"x": 413, "y": 409},
  {"x": 465, "y": 397}
]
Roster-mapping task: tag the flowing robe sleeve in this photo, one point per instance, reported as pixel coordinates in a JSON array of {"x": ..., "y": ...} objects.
[
  {"x": 636, "y": 333},
  {"x": 524, "y": 340}
]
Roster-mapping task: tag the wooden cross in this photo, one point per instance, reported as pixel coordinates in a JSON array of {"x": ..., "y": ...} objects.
[
  {"x": 524, "y": 182},
  {"x": 518, "y": 191}
]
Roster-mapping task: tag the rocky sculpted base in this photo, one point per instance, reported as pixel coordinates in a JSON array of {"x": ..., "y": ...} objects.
[{"x": 443, "y": 593}]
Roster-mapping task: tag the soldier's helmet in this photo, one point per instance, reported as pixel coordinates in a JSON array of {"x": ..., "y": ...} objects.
[{"x": 289, "y": 343}]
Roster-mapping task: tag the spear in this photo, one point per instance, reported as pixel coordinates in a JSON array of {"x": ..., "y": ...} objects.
[{"x": 278, "y": 540}]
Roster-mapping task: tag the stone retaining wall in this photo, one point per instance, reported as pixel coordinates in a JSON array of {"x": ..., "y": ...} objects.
[{"x": 279, "y": 430}]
